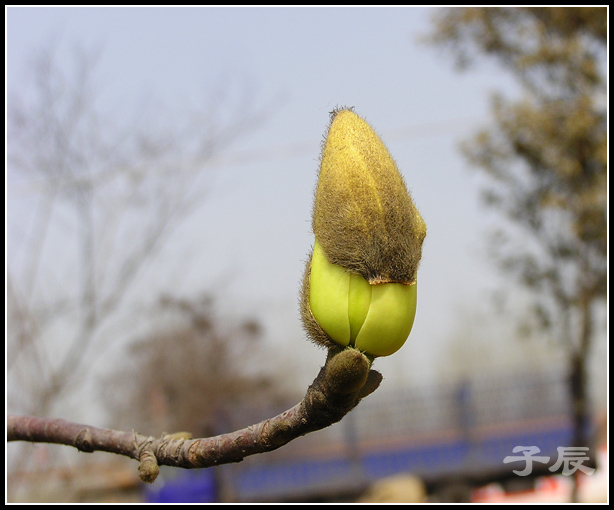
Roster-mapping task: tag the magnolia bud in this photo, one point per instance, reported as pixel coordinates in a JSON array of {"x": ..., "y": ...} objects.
[{"x": 359, "y": 287}]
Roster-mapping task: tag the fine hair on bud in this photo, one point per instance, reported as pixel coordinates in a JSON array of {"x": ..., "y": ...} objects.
[
  {"x": 359, "y": 287},
  {"x": 363, "y": 216}
]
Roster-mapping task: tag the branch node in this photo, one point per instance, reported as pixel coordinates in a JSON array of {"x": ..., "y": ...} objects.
[
  {"x": 148, "y": 466},
  {"x": 84, "y": 441},
  {"x": 277, "y": 434}
]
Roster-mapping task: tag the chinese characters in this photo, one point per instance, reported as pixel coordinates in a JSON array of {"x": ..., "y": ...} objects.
[{"x": 570, "y": 457}]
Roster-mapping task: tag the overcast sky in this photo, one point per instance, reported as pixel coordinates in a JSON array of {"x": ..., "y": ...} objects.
[{"x": 255, "y": 222}]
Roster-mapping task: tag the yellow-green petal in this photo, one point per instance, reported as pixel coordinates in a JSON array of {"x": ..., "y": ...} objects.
[
  {"x": 390, "y": 319},
  {"x": 359, "y": 301},
  {"x": 329, "y": 286},
  {"x": 374, "y": 318}
]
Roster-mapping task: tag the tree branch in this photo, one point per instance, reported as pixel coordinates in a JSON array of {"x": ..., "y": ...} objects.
[{"x": 343, "y": 381}]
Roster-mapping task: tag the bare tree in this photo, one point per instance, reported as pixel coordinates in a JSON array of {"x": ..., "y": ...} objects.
[
  {"x": 91, "y": 205},
  {"x": 93, "y": 197}
]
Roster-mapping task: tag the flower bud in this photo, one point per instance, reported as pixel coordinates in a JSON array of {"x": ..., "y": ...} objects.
[{"x": 359, "y": 287}]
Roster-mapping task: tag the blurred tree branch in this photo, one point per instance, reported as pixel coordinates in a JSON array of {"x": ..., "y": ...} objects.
[
  {"x": 546, "y": 163},
  {"x": 343, "y": 381},
  {"x": 94, "y": 200}
]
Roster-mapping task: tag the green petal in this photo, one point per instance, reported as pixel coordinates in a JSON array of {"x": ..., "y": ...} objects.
[
  {"x": 376, "y": 319},
  {"x": 358, "y": 304},
  {"x": 390, "y": 319},
  {"x": 329, "y": 287}
]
